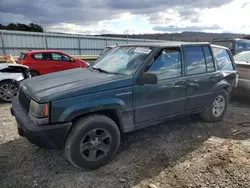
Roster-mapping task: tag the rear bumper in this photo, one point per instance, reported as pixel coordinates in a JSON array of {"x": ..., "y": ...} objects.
[
  {"x": 51, "y": 136},
  {"x": 243, "y": 88}
]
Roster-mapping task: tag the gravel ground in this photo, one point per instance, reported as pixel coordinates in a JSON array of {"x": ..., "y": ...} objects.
[{"x": 182, "y": 153}]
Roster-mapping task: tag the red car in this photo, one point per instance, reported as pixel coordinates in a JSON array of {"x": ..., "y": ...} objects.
[{"x": 48, "y": 61}]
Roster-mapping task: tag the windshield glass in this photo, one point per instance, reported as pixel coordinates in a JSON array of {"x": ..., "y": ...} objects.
[
  {"x": 123, "y": 60},
  {"x": 243, "y": 56},
  {"x": 105, "y": 50}
]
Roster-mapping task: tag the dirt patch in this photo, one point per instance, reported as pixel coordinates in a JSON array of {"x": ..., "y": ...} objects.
[{"x": 181, "y": 153}]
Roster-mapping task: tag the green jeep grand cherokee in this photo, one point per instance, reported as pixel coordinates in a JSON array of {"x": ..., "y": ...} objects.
[{"x": 86, "y": 110}]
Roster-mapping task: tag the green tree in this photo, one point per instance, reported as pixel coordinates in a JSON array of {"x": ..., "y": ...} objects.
[{"x": 22, "y": 27}]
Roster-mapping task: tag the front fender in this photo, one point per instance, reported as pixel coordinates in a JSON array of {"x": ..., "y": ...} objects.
[
  {"x": 11, "y": 76},
  {"x": 79, "y": 107}
]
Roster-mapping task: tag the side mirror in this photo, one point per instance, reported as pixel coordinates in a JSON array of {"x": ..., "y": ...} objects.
[
  {"x": 148, "y": 78},
  {"x": 71, "y": 60}
]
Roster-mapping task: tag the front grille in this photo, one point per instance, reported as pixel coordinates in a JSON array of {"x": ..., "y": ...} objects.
[{"x": 24, "y": 100}]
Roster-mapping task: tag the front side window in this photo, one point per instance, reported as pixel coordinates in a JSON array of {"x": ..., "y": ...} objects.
[
  {"x": 60, "y": 57},
  {"x": 223, "y": 59},
  {"x": 195, "y": 61},
  {"x": 123, "y": 60},
  {"x": 167, "y": 64}
]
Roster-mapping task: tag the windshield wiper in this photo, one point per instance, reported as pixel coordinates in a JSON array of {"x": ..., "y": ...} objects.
[{"x": 101, "y": 70}]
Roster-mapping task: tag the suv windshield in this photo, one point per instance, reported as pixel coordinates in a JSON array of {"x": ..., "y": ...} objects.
[{"x": 123, "y": 60}]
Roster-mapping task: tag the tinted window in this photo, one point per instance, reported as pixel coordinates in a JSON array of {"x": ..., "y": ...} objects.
[
  {"x": 223, "y": 59},
  {"x": 60, "y": 57},
  {"x": 167, "y": 65},
  {"x": 209, "y": 59},
  {"x": 195, "y": 61},
  {"x": 38, "y": 56}
]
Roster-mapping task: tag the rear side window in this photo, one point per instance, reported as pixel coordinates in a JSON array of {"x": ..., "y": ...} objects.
[
  {"x": 37, "y": 56},
  {"x": 223, "y": 59},
  {"x": 242, "y": 46},
  {"x": 209, "y": 59},
  {"x": 195, "y": 61}
]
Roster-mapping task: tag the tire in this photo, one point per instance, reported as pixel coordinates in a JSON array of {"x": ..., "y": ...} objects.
[
  {"x": 209, "y": 114},
  {"x": 8, "y": 90},
  {"x": 87, "y": 133},
  {"x": 34, "y": 73}
]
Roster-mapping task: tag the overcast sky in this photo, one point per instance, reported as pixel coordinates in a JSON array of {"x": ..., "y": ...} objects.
[{"x": 130, "y": 16}]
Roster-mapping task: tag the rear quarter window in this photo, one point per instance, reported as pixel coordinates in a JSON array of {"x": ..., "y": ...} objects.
[
  {"x": 22, "y": 56},
  {"x": 223, "y": 59}
]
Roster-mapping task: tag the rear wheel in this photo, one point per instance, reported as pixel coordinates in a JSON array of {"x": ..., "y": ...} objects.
[
  {"x": 217, "y": 109},
  {"x": 92, "y": 142},
  {"x": 8, "y": 90},
  {"x": 34, "y": 73}
]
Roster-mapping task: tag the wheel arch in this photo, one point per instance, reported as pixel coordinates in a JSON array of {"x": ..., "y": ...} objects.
[
  {"x": 113, "y": 114},
  {"x": 223, "y": 84}
]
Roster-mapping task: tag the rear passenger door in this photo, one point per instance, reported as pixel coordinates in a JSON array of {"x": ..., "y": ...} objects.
[
  {"x": 62, "y": 62},
  {"x": 201, "y": 76},
  {"x": 42, "y": 63}
]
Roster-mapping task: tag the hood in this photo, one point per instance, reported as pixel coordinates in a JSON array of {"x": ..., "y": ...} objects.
[
  {"x": 8, "y": 65},
  {"x": 71, "y": 83},
  {"x": 243, "y": 69}
]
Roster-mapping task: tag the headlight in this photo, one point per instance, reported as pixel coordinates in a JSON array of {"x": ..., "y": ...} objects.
[{"x": 39, "y": 110}]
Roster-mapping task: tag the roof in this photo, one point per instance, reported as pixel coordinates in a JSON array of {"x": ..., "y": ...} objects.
[
  {"x": 237, "y": 39},
  {"x": 169, "y": 43},
  {"x": 217, "y": 46},
  {"x": 41, "y": 51}
]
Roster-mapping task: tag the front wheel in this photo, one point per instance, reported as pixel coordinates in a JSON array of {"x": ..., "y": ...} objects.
[
  {"x": 8, "y": 90},
  {"x": 93, "y": 142},
  {"x": 217, "y": 109},
  {"x": 34, "y": 73}
]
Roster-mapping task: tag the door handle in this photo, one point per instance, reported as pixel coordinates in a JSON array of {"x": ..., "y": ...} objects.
[
  {"x": 179, "y": 83},
  {"x": 193, "y": 84},
  {"x": 215, "y": 76}
]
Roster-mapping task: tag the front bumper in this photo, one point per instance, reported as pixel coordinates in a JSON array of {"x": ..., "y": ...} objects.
[{"x": 51, "y": 136}]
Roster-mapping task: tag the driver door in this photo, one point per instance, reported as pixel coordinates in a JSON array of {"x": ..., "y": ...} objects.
[
  {"x": 168, "y": 96},
  {"x": 62, "y": 62}
]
